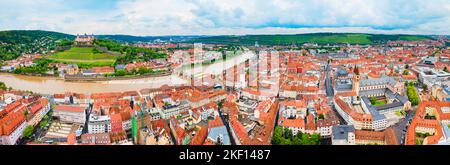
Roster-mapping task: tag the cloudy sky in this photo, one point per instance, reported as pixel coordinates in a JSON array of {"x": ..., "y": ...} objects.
[{"x": 218, "y": 17}]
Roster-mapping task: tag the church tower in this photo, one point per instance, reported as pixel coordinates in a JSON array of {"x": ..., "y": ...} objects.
[{"x": 356, "y": 79}]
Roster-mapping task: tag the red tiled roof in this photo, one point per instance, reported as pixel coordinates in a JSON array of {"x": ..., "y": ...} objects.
[
  {"x": 35, "y": 108},
  {"x": 71, "y": 139},
  {"x": 420, "y": 121},
  {"x": 199, "y": 137},
  {"x": 296, "y": 123},
  {"x": 208, "y": 141},
  {"x": 59, "y": 96},
  {"x": 104, "y": 69},
  {"x": 215, "y": 123},
  {"x": 294, "y": 103},
  {"x": 116, "y": 122},
  {"x": 369, "y": 135},
  {"x": 69, "y": 108},
  {"x": 355, "y": 115},
  {"x": 12, "y": 120}
]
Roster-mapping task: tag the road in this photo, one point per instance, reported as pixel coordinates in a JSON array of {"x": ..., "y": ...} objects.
[
  {"x": 37, "y": 133},
  {"x": 224, "y": 118},
  {"x": 330, "y": 93},
  {"x": 328, "y": 82},
  {"x": 401, "y": 127}
]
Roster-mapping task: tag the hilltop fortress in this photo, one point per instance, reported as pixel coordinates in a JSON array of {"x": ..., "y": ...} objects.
[{"x": 84, "y": 40}]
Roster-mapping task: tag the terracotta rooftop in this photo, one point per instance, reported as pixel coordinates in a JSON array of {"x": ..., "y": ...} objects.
[
  {"x": 420, "y": 121},
  {"x": 69, "y": 108}
]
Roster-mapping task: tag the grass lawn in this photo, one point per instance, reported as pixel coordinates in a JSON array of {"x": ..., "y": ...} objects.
[
  {"x": 379, "y": 103},
  {"x": 412, "y": 38},
  {"x": 420, "y": 137},
  {"x": 84, "y": 55},
  {"x": 334, "y": 38},
  {"x": 419, "y": 141},
  {"x": 400, "y": 113}
]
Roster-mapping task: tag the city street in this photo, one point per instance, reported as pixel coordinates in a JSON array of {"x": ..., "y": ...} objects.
[
  {"x": 401, "y": 127},
  {"x": 37, "y": 133}
]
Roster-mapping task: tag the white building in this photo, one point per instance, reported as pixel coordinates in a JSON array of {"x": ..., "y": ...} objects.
[
  {"x": 431, "y": 76},
  {"x": 99, "y": 124},
  {"x": 343, "y": 135},
  {"x": 43, "y": 107},
  {"x": 12, "y": 138},
  {"x": 173, "y": 108},
  {"x": 70, "y": 114},
  {"x": 365, "y": 119}
]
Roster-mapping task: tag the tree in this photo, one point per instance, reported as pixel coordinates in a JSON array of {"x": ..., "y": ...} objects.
[
  {"x": 220, "y": 104},
  {"x": 315, "y": 138},
  {"x": 46, "y": 117},
  {"x": 373, "y": 100},
  {"x": 412, "y": 95},
  {"x": 288, "y": 134},
  {"x": 120, "y": 73},
  {"x": 143, "y": 70},
  {"x": 277, "y": 135},
  {"x": 64, "y": 42},
  {"x": 298, "y": 140},
  {"x": 407, "y": 66},
  {"x": 26, "y": 113},
  {"x": 284, "y": 136},
  {"x": 405, "y": 72},
  {"x": 425, "y": 87},
  {"x": 43, "y": 124},
  {"x": 285, "y": 142},
  {"x": 321, "y": 116},
  {"x": 305, "y": 139},
  {"x": 56, "y": 72},
  {"x": 28, "y": 131},
  {"x": 97, "y": 51},
  {"x": 3, "y": 86},
  {"x": 446, "y": 69}
]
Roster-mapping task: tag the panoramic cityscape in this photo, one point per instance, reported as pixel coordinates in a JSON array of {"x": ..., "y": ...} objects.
[{"x": 244, "y": 73}]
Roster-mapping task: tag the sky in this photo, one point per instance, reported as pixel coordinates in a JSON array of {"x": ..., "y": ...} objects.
[{"x": 227, "y": 17}]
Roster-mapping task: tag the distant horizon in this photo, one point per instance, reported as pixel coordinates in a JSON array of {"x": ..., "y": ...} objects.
[
  {"x": 191, "y": 35},
  {"x": 227, "y": 17}
]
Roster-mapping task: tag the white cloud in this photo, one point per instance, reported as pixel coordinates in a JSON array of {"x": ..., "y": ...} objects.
[{"x": 217, "y": 17}]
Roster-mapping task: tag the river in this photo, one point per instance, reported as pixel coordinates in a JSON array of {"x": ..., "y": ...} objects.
[
  {"x": 52, "y": 85},
  {"x": 218, "y": 67}
]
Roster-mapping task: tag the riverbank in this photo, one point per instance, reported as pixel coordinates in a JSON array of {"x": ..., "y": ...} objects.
[
  {"x": 53, "y": 85},
  {"x": 57, "y": 85},
  {"x": 33, "y": 75},
  {"x": 93, "y": 78},
  {"x": 103, "y": 78},
  {"x": 217, "y": 68}
]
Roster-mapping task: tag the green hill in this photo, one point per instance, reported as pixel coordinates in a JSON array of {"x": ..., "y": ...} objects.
[
  {"x": 84, "y": 56},
  {"x": 16, "y": 42},
  {"x": 319, "y": 38},
  {"x": 29, "y": 36}
]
